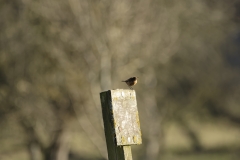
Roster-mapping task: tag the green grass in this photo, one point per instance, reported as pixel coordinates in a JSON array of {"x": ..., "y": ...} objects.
[
  {"x": 202, "y": 156},
  {"x": 212, "y": 136},
  {"x": 220, "y": 141}
]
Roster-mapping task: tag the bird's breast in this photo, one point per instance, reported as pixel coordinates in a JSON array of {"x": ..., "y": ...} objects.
[{"x": 135, "y": 82}]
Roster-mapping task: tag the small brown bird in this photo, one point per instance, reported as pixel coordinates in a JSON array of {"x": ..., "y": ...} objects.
[{"x": 131, "y": 82}]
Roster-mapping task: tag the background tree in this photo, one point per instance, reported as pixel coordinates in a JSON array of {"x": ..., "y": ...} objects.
[{"x": 56, "y": 56}]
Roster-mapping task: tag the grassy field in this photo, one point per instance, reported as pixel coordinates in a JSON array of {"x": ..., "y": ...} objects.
[
  {"x": 221, "y": 141},
  {"x": 212, "y": 136},
  {"x": 203, "y": 156}
]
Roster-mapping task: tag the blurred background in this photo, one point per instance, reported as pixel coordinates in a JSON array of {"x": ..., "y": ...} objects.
[{"x": 56, "y": 56}]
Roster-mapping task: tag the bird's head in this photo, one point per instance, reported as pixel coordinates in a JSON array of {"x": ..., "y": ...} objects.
[{"x": 135, "y": 78}]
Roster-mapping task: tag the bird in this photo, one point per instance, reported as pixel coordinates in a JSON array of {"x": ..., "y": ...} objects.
[{"x": 131, "y": 82}]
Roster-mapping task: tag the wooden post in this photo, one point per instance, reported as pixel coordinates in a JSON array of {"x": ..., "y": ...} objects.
[{"x": 121, "y": 122}]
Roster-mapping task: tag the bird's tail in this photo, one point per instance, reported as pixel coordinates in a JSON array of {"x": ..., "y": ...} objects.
[{"x": 123, "y": 81}]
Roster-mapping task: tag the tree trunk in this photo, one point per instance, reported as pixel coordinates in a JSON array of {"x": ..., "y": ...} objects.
[
  {"x": 154, "y": 134},
  {"x": 34, "y": 151},
  {"x": 59, "y": 150}
]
